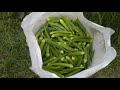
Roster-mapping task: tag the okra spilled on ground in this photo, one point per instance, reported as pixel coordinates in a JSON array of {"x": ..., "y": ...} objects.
[{"x": 66, "y": 46}]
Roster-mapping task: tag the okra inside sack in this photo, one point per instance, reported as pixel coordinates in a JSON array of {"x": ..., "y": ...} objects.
[{"x": 66, "y": 46}]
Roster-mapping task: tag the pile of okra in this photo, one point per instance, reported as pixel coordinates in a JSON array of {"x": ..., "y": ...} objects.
[{"x": 65, "y": 45}]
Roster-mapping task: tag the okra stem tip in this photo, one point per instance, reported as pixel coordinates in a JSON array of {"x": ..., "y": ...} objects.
[
  {"x": 73, "y": 58},
  {"x": 53, "y": 36},
  {"x": 85, "y": 60},
  {"x": 67, "y": 57},
  {"x": 88, "y": 45},
  {"x": 82, "y": 53},
  {"x": 48, "y": 19},
  {"x": 47, "y": 55},
  {"x": 43, "y": 40},
  {"x": 61, "y": 51}
]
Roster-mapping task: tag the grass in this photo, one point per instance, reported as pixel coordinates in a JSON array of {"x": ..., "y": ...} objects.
[{"x": 14, "y": 53}]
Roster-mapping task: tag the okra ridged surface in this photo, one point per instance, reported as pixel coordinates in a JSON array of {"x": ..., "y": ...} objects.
[{"x": 66, "y": 46}]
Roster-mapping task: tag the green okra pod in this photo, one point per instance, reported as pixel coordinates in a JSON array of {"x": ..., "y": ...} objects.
[
  {"x": 45, "y": 58},
  {"x": 53, "y": 67},
  {"x": 75, "y": 60},
  {"x": 85, "y": 58},
  {"x": 73, "y": 72},
  {"x": 49, "y": 60},
  {"x": 44, "y": 49},
  {"x": 54, "y": 51},
  {"x": 73, "y": 43},
  {"x": 81, "y": 37},
  {"x": 88, "y": 55},
  {"x": 53, "y": 19},
  {"x": 50, "y": 29},
  {"x": 64, "y": 24},
  {"x": 51, "y": 42},
  {"x": 63, "y": 60},
  {"x": 54, "y": 61},
  {"x": 65, "y": 46},
  {"x": 77, "y": 21},
  {"x": 69, "y": 60},
  {"x": 91, "y": 51},
  {"x": 66, "y": 71},
  {"x": 42, "y": 44},
  {"x": 77, "y": 46},
  {"x": 39, "y": 32},
  {"x": 77, "y": 53},
  {"x": 48, "y": 51},
  {"x": 68, "y": 22},
  {"x": 60, "y": 34},
  {"x": 63, "y": 64},
  {"x": 66, "y": 61},
  {"x": 55, "y": 44},
  {"x": 81, "y": 40},
  {"x": 46, "y": 32},
  {"x": 77, "y": 30},
  {"x": 57, "y": 25},
  {"x": 60, "y": 31},
  {"x": 80, "y": 59},
  {"x": 39, "y": 40},
  {"x": 60, "y": 39}
]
